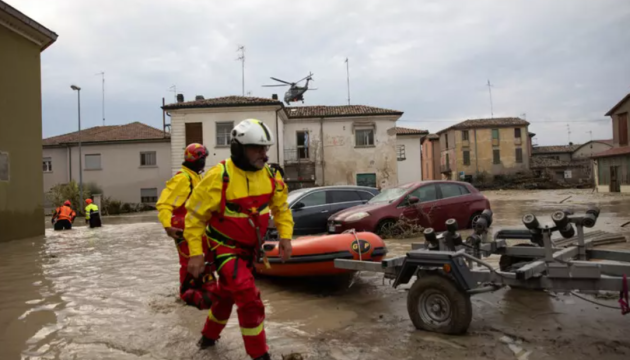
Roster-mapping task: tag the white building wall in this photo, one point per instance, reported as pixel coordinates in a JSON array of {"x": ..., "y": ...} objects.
[
  {"x": 121, "y": 175},
  {"x": 60, "y": 173},
  {"x": 209, "y": 117},
  {"x": 410, "y": 169}
]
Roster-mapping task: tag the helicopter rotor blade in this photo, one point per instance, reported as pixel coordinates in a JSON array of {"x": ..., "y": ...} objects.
[
  {"x": 275, "y": 85},
  {"x": 282, "y": 81},
  {"x": 310, "y": 76}
]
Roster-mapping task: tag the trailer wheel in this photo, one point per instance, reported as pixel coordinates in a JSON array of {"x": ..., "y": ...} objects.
[{"x": 435, "y": 303}]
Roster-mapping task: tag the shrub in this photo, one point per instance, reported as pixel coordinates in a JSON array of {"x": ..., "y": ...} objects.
[{"x": 58, "y": 194}]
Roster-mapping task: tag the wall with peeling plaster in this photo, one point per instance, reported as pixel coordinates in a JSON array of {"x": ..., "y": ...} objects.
[{"x": 410, "y": 167}]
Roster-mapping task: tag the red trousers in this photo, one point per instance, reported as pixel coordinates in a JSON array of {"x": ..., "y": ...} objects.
[
  {"x": 194, "y": 292},
  {"x": 236, "y": 286}
]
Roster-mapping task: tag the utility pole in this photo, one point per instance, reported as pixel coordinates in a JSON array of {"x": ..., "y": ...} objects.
[
  {"x": 241, "y": 57},
  {"x": 102, "y": 73},
  {"x": 348, "y": 76},
  {"x": 491, "y": 106}
]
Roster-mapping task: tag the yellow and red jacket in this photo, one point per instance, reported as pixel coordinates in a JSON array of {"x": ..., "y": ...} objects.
[
  {"x": 65, "y": 213},
  {"x": 173, "y": 198},
  {"x": 228, "y": 199}
]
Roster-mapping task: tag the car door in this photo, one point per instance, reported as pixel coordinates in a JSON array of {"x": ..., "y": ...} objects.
[
  {"x": 311, "y": 217},
  {"x": 342, "y": 199},
  {"x": 455, "y": 200},
  {"x": 426, "y": 211}
]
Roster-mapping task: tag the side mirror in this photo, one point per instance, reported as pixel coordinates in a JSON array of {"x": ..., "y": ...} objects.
[
  {"x": 413, "y": 200},
  {"x": 298, "y": 206}
]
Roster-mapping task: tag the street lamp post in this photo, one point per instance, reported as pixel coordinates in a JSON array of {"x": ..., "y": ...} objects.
[{"x": 78, "y": 90}]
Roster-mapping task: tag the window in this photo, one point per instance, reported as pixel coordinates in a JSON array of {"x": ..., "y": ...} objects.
[
  {"x": 400, "y": 153},
  {"x": 425, "y": 193},
  {"x": 194, "y": 133},
  {"x": 47, "y": 164},
  {"x": 4, "y": 166},
  {"x": 623, "y": 129},
  {"x": 496, "y": 156},
  {"x": 148, "y": 195},
  {"x": 364, "y": 137},
  {"x": 495, "y": 134},
  {"x": 448, "y": 162},
  {"x": 465, "y": 135},
  {"x": 517, "y": 133},
  {"x": 223, "y": 133},
  {"x": 446, "y": 140},
  {"x": 365, "y": 195},
  {"x": 452, "y": 190},
  {"x": 148, "y": 158},
  {"x": 466, "y": 157},
  {"x": 344, "y": 196},
  {"x": 302, "y": 144},
  {"x": 366, "y": 180},
  {"x": 314, "y": 199},
  {"x": 93, "y": 162},
  {"x": 519, "y": 155}
]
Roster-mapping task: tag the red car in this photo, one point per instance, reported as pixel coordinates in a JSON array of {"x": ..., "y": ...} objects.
[{"x": 428, "y": 203}]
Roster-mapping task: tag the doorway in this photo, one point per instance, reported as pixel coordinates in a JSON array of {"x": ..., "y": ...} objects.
[{"x": 614, "y": 179}]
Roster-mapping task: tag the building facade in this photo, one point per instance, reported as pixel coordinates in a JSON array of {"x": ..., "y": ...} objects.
[
  {"x": 497, "y": 146},
  {"x": 431, "y": 157},
  {"x": 131, "y": 162},
  {"x": 612, "y": 166},
  {"x": 316, "y": 145},
  {"x": 409, "y": 154},
  {"x": 21, "y": 205}
]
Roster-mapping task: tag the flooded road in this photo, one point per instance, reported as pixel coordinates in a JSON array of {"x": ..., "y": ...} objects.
[{"x": 111, "y": 293}]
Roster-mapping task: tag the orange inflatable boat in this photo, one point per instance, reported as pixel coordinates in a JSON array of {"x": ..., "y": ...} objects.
[{"x": 315, "y": 255}]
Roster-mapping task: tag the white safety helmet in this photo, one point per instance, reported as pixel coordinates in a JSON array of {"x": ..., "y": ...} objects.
[{"x": 252, "y": 132}]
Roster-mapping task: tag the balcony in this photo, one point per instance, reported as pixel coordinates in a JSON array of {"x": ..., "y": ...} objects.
[
  {"x": 297, "y": 155},
  {"x": 445, "y": 168}
]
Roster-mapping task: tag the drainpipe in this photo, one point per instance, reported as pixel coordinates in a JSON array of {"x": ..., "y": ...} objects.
[
  {"x": 278, "y": 138},
  {"x": 476, "y": 157},
  {"x": 321, "y": 140}
]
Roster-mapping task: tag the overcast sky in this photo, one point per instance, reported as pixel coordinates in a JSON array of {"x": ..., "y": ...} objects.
[{"x": 559, "y": 62}]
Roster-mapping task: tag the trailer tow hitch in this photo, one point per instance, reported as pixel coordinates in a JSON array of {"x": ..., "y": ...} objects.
[{"x": 623, "y": 297}]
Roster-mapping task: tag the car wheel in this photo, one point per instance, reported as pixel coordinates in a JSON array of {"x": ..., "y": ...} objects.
[
  {"x": 385, "y": 228},
  {"x": 473, "y": 219}
]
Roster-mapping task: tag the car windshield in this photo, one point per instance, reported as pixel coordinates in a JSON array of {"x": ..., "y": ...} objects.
[
  {"x": 388, "y": 195},
  {"x": 293, "y": 195}
]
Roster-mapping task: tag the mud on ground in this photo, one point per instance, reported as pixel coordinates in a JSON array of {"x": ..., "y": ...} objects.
[{"x": 110, "y": 293}]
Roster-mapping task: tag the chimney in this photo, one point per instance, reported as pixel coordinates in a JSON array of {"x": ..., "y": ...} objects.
[
  {"x": 199, "y": 97},
  {"x": 570, "y": 143},
  {"x": 180, "y": 98},
  {"x": 274, "y": 96}
]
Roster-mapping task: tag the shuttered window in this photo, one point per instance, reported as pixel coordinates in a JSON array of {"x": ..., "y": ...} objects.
[{"x": 194, "y": 133}]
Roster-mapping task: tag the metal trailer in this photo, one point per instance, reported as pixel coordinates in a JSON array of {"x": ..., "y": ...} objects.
[{"x": 449, "y": 271}]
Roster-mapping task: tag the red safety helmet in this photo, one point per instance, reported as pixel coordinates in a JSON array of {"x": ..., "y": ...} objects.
[
  {"x": 195, "y": 152},
  {"x": 88, "y": 201},
  {"x": 67, "y": 203}
]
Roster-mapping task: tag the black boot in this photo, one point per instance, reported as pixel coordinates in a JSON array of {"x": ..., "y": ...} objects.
[
  {"x": 264, "y": 357},
  {"x": 205, "y": 342}
]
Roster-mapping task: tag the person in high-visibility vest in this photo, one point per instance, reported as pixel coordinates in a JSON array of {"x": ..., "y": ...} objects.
[
  {"x": 63, "y": 217},
  {"x": 92, "y": 216},
  {"x": 171, "y": 213},
  {"x": 235, "y": 199}
]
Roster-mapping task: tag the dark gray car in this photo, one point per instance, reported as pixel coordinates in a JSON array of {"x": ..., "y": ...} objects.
[{"x": 311, "y": 207}]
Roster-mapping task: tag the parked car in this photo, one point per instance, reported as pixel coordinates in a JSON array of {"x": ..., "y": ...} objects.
[
  {"x": 311, "y": 207},
  {"x": 428, "y": 203}
]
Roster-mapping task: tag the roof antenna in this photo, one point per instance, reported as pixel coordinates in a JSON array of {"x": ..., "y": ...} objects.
[
  {"x": 491, "y": 107},
  {"x": 569, "y": 133},
  {"x": 241, "y": 57},
  {"x": 174, "y": 90},
  {"x": 348, "y": 76},
  {"x": 102, "y": 73}
]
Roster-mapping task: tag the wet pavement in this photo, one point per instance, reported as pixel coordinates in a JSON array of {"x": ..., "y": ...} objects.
[{"x": 110, "y": 293}]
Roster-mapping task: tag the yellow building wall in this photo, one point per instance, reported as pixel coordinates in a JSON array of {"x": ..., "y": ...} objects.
[
  {"x": 480, "y": 146},
  {"x": 21, "y": 198}
]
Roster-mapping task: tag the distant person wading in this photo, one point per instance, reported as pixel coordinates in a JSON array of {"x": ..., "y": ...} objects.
[
  {"x": 63, "y": 217},
  {"x": 92, "y": 216}
]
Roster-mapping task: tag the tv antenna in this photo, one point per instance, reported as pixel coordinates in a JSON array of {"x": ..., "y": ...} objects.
[
  {"x": 491, "y": 106},
  {"x": 174, "y": 90},
  {"x": 241, "y": 57},
  {"x": 569, "y": 132},
  {"x": 591, "y": 133},
  {"x": 102, "y": 73},
  {"x": 348, "y": 76}
]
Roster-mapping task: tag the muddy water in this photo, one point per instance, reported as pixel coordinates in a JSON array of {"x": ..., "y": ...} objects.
[{"x": 110, "y": 293}]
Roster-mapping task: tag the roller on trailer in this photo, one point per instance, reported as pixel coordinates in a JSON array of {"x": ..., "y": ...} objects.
[{"x": 449, "y": 269}]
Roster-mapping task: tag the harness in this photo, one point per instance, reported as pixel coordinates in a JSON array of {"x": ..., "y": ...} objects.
[
  {"x": 253, "y": 214},
  {"x": 181, "y": 209}
]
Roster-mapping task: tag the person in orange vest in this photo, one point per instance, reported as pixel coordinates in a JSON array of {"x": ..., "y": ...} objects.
[
  {"x": 235, "y": 199},
  {"x": 171, "y": 213},
  {"x": 63, "y": 217}
]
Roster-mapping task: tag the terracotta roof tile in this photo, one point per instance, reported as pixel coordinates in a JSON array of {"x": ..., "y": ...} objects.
[
  {"x": 555, "y": 149},
  {"x": 433, "y": 137},
  {"x": 298, "y": 112},
  {"x": 226, "y": 101},
  {"x": 129, "y": 132},
  {"x": 625, "y": 150},
  {"x": 486, "y": 123},
  {"x": 408, "y": 131}
]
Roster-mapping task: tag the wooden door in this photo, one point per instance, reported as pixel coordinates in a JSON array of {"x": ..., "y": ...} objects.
[
  {"x": 614, "y": 179},
  {"x": 194, "y": 133}
]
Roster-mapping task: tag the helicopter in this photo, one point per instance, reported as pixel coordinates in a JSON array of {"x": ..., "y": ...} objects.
[{"x": 295, "y": 93}]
